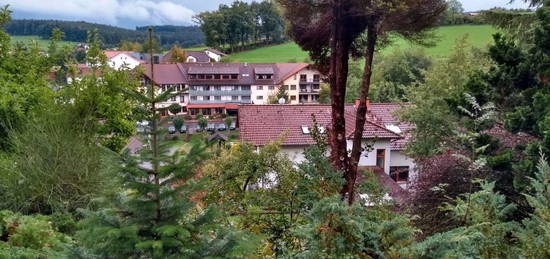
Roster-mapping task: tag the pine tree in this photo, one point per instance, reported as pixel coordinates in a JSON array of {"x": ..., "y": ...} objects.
[{"x": 155, "y": 214}]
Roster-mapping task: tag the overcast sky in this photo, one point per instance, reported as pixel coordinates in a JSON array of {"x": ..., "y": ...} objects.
[{"x": 131, "y": 13}]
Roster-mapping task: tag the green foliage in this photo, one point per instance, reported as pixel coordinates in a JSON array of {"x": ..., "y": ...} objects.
[
  {"x": 434, "y": 113},
  {"x": 98, "y": 99},
  {"x": 174, "y": 108},
  {"x": 485, "y": 233},
  {"x": 202, "y": 122},
  {"x": 55, "y": 165},
  {"x": 228, "y": 121},
  {"x": 281, "y": 94},
  {"x": 178, "y": 123},
  {"x": 30, "y": 237},
  {"x": 23, "y": 88},
  {"x": 397, "y": 71},
  {"x": 535, "y": 235},
  {"x": 241, "y": 24}
]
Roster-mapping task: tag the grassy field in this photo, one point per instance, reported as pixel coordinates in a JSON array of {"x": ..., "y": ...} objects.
[
  {"x": 42, "y": 43},
  {"x": 478, "y": 36}
]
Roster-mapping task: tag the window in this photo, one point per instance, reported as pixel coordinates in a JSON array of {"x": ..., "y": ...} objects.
[
  {"x": 217, "y": 77},
  {"x": 259, "y": 88},
  {"x": 234, "y": 98},
  {"x": 182, "y": 98},
  {"x": 217, "y": 98},
  {"x": 316, "y": 87},
  {"x": 303, "y": 77},
  {"x": 206, "y": 88},
  {"x": 305, "y": 129},
  {"x": 285, "y": 87},
  {"x": 316, "y": 78},
  {"x": 209, "y": 76},
  {"x": 193, "y": 98},
  {"x": 380, "y": 157},
  {"x": 399, "y": 173},
  {"x": 225, "y": 76},
  {"x": 314, "y": 98},
  {"x": 245, "y": 98},
  {"x": 193, "y": 77},
  {"x": 184, "y": 109},
  {"x": 293, "y": 87},
  {"x": 206, "y": 98},
  {"x": 173, "y": 99},
  {"x": 271, "y": 88},
  {"x": 245, "y": 88},
  {"x": 217, "y": 88},
  {"x": 293, "y": 98},
  {"x": 259, "y": 97},
  {"x": 234, "y": 76}
]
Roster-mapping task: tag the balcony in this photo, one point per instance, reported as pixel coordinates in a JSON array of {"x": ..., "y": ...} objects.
[
  {"x": 309, "y": 90},
  {"x": 220, "y": 93},
  {"x": 220, "y": 102}
]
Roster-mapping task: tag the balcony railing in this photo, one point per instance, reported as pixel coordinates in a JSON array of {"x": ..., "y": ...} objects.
[
  {"x": 309, "y": 90},
  {"x": 220, "y": 93},
  {"x": 220, "y": 102}
]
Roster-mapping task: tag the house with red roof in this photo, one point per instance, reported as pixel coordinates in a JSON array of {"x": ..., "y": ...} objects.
[
  {"x": 123, "y": 59},
  {"x": 292, "y": 124}
]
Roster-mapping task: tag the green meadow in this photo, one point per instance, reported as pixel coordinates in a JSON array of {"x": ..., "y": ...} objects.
[
  {"x": 445, "y": 37},
  {"x": 43, "y": 44}
]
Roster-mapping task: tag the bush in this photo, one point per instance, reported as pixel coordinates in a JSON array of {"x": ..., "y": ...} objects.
[
  {"x": 178, "y": 123},
  {"x": 174, "y": 108}
]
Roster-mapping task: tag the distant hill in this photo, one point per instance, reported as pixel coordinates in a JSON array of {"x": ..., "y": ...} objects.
[{"x": 185, "y": 36}]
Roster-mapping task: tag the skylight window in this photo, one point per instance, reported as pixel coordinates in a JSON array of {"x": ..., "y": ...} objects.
[
  {"x": 305, "y": 129},
  {"x": 393, "y": 128},
  {"x": 321, "y": 129}
]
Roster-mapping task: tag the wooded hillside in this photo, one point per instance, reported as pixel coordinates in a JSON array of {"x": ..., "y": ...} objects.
[{"x": 185, "y": 36}]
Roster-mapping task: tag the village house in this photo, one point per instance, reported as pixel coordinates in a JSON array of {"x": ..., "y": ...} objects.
[
  {"x": 216, "y": 88},
  {"x": 386, "y": 136}
]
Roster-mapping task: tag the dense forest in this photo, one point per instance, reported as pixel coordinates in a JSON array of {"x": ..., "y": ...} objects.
[
  {"x": 241, "y": 25},
  {"x": 72, "y": 188},
  {"x": 185, "y": 36}
]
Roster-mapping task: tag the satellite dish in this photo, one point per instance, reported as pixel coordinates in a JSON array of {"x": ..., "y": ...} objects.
[{"x": 282, "y": 101}]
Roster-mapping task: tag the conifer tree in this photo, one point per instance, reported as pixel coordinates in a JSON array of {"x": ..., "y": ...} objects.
[{"x": 155, "y": 213}]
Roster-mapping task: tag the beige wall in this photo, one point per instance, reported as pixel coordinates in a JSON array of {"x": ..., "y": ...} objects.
[{"x": 295, "y": 80}]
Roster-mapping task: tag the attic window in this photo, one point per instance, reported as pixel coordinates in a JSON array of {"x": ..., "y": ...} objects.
[
  {"x": 305, "y": 129},
  {"x": 393, "y": 128}
]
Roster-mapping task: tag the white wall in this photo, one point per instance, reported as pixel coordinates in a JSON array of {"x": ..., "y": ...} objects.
[
  {"x": 265, "y": 93},
  {"x": 123, "y": 60},
  {"x": 295, "y": 153},
  {"x": 213, "y": 55},
  {"x": 398, "y": 158},
  {"x": 369, "y": 159}
]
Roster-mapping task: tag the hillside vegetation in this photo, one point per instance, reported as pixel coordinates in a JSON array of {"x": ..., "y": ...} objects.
[
  {"x": 478, "y": 35},
  {"x": 186, "y": 36}
]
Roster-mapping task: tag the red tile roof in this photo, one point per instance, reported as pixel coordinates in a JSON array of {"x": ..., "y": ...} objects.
[
  {"x": 385, "y": 114},
  {"x": 260, "y": 124}
]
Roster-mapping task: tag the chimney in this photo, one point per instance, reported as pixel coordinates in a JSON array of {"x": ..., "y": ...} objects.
[{"x": 358, "y": 101}]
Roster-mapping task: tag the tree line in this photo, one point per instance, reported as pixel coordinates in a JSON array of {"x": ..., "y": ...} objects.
[
  {"x": 185, "y": 36},
  {"x": 242, "y": 25}
]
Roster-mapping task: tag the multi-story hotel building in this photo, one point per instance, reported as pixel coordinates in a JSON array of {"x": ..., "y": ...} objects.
[{"x": 214, "y": 88}]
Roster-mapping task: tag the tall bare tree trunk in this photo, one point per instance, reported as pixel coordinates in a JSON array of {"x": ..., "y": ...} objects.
[
  {"x": 338, "y": 78},
  {"x": 360, "y": 120}
]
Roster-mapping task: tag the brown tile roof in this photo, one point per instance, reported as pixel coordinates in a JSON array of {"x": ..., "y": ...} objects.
[
  {"x": 212, "y": 68},
  {"x": 265, "y": 70},
  {"x": 201, "y": 56},
  {"x": 260, "y": 124},
  {"x": 246, "y": 72},
  {"x": 165, "y": 73}
]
